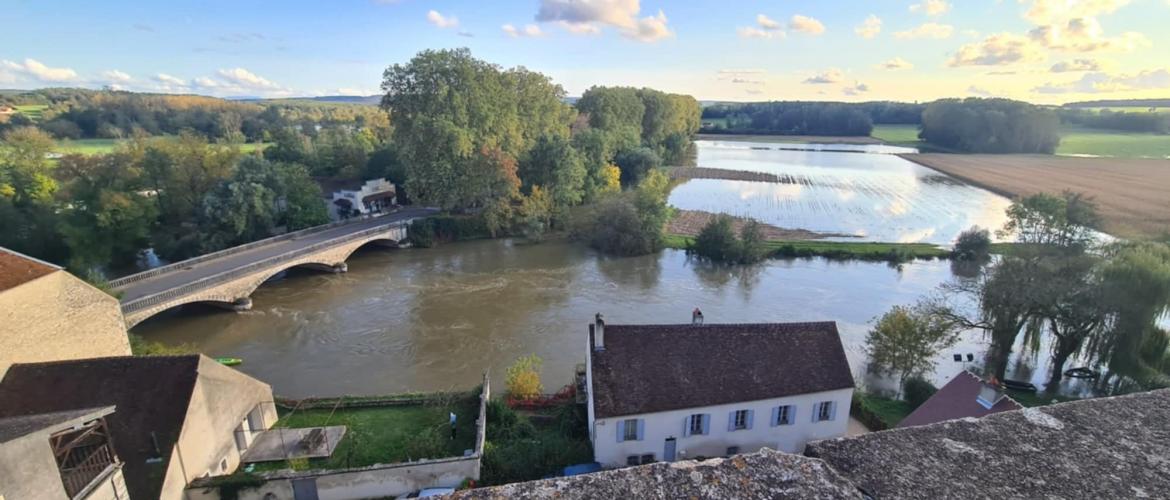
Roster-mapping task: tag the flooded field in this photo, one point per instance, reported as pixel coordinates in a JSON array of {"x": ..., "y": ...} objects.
[{"x": 858, "y": 190}]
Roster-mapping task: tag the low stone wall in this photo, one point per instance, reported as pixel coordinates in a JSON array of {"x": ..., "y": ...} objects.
[{"x": 376, "y": 481}]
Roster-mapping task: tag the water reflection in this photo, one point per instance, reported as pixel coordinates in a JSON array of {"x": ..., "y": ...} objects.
[{"x": 877, "y": 197}]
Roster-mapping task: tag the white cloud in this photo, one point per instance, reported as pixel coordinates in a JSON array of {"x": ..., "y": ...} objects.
[
  {"x": 856, "y": 89},
  {"x": 1043, "y": 12},
  {"x": 530, "y": 30},
  {"x": 767, "y": 28},
  {"x": 1094, "y": 83},
  {"x": 115, "y": 76},
  {"x": 804, "y": 24},
  {"x": 1084, "y": 34},
  {"x": 825, "y": 77},
  {"x": 1076, "y": 65},
  {"x": 246, "y": 80},
  {"x": 34, "y": 69},
  {"x": 166, "y": 79},
  {"x": 589, "y": 16},
  {"x": 437, "y": 19},
  {"x": 355, "y": 91},
  {"x": 931, "y": 7},
  {"x": 896, "y": 64},
  {"x": 928, "y": 30},
  {"x": 997, "y": 50},
  {"x": 870, "y": 27},
  {"x": 650, "y": 29}
]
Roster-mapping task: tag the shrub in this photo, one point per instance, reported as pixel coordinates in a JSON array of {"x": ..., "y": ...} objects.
[
  {"x": 973, "y": 244},
  {"x": 421, "y": 233},
  {"x": 426, "y": 444},
  {"x": 718, "y": 242},
  {"x": 916, "y": 390},
  {"x": 523, "y": 378}
]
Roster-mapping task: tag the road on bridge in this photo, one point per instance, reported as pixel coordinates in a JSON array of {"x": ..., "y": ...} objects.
[{"x": 183, "y": 276}]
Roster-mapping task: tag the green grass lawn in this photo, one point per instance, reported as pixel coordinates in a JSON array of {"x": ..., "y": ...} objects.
[
  {"x": 32, "y": 111},
  {"x": 836, "y": 249},
  {"x": 1081, "y": 141},
  {"x": 104, "y": 146},
  {"x": 387, "y": 434},
  {"x": 1073, "y": 141}
]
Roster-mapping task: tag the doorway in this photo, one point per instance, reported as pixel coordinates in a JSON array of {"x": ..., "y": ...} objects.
[{"x": 668, "y": 452}]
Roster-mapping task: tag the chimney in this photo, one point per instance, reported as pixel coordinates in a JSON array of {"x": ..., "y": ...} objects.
[
  {"x": 989, "y": 395},
  {"x": 598, "y": 333}
]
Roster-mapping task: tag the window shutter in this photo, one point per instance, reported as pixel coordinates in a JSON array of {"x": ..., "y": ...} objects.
[
  {"x": 750, "y": 415},
  {"x": 816, "y": 411},
  {"x": 775, "y": 416},
  {"x": 731, "y": 421},
  {"x": 833, "y": 410},
  {"x": 791, "y": 414},
  {"x": 641, "y": 429},
  {"x": 706, "y": 423},
  {"x": 621, "y": 430},
  {"x": 687, "y": 426}
]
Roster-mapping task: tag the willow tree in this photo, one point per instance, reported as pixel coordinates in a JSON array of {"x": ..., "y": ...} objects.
[{"x": 1137, "y": 283}]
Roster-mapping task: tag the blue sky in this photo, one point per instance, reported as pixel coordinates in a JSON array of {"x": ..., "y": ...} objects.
[{"x": 1039, "y": 50}]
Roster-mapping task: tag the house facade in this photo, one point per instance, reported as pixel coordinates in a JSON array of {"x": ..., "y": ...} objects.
[
  {"x": 60, "y": 456},
  {"x": 47, "y": 314},
  {"x": 178, "y": 418},
  {"x": 678, "y": 392},
  {"x": 372, "y": 196}
]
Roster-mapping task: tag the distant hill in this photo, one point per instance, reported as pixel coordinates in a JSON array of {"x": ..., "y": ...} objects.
[
  {"x": 369, "y": 100},
  {"x": 1121, "y": 103}
]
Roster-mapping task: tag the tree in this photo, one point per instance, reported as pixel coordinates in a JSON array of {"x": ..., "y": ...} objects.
[
  {"x": 25, "y": 172},
  {"x": 108, "y": 219},
  {"x": 977, "y": 125},
  {"x": 243, "y": 209},
  {"x": 635, "y": 163},
  {"x": 302, "y": 205},
  {"x": 1136, "y": 278},
  {"x": 718, "y": 241},
  {"x": 1065, "y": 221},
  {"x": 1074, "y": 305},
  {"x": 523, "y": 378},
  {"x": 554, "y": 164},
  {"x": 536, "y": 212},
  {"x": 905, "y": 341},
  {"x": 973, "y": 245}
]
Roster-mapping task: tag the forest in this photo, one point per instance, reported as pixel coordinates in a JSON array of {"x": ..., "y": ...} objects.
[{"x": 499, "y": 145}]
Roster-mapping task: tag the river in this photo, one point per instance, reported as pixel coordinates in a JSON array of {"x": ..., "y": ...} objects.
[{"x": 434, "y": 319}]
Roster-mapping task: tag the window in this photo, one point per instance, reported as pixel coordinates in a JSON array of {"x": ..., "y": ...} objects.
[
  {"x": 782, "y": 415},
  {"x": 648, "y": 458},
  {"x": 732, "y": 450},
  {"x": 823, "y": 411},
  {"x": 223, "y": 465},
  {"x": 739, "y": 420},
  {"x": 695, "y": 424},
  {"x": 631, "y": 432},
  {"x": 633, "y": 460}
]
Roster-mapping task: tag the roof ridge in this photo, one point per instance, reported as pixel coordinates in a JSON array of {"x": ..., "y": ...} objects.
[{"x": 105, "y": 359}]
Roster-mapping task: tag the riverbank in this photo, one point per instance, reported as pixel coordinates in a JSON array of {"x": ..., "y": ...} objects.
[
  {"x": 835, "y": 250},
  {"x": 798, "y": 139}
]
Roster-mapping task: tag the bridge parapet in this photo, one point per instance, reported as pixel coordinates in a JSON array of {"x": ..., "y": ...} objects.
[
  {"x": 121, "y": 282},
  {"x": 235, "y": 284}
]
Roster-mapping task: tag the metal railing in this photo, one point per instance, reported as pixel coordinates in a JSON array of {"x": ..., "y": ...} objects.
[
  {"x": 126, "y": 280},
  {"x": 231, "y": 274},
  {"x": 77, "y": 477}
]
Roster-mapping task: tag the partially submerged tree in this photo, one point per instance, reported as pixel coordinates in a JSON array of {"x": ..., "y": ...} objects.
[{"x": 1066, "y": 221}]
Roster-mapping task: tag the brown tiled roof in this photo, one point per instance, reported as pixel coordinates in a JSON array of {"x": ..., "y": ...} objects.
[
  {"x": 17, "y": 269},
  {"x": 651, "y": 368},
  {"x": 956, "y": 400},
  {"x": 151, "y": 395}
]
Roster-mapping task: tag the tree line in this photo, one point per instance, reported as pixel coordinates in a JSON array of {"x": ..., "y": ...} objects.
[
  {"x": 790, "y": 118},
  {"x": 977, "y": 125},
  {"x": 501, "y": 144},
  {"x": 107, "y": 114},
  {"x": 1128, "y": 121},
  {"x": 1100, "y": 303}
]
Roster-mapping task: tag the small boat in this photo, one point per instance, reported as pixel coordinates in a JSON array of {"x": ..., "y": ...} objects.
[
  {"x": 229, "y": 361},
  {"x": 1082, "y": 372},
  {"x": 1019, "y": 385}
]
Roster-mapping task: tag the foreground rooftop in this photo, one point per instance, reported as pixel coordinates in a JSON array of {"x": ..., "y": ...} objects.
[{"x": 1101, "y": 448}]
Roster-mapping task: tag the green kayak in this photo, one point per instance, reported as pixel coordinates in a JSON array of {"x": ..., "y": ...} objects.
[{"x": 229, "y": 361}]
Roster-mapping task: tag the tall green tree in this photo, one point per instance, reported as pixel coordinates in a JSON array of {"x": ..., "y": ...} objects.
[
  {"x": 109, "y": 217},
  {"x": 554, "y": 164},
  {"x": 1137, "y": 284},
  {"x": 1065, "y": 221},
  {"x": 905, "y": 341}
]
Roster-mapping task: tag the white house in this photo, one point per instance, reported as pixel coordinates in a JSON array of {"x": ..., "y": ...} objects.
[
  {"x": 355, "y": 199},
  {"x": 676, "y": 392}
]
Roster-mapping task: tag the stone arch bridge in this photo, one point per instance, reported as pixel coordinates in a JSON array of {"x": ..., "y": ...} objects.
[{"x": 227, "y": 278}]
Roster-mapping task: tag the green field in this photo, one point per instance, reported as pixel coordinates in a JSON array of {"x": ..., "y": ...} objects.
[
  {"x": 1073, "y": 141},
  {"x": 845, "y": 250},
  {"x": 1127, "y": 109},
  {"x": 33, "y": 111},
  {"x": 103, "y": 146}
]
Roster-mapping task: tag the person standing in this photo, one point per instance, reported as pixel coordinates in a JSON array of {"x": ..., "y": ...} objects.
[{"x": 452, "y": 425}]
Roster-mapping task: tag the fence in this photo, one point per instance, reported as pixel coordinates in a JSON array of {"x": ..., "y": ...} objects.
[{"x": 225, "y": 276}]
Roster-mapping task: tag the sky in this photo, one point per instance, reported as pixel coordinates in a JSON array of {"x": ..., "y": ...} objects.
[{"x": 1044, "y": 51}]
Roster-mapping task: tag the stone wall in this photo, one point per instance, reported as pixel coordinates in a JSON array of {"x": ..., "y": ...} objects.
[{"x": 59, "y": 317}]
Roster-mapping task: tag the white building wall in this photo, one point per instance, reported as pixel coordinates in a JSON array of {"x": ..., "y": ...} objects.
[{"x": 660, "y": 426}]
